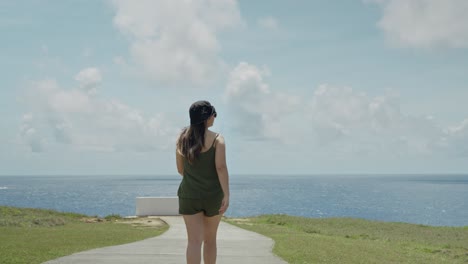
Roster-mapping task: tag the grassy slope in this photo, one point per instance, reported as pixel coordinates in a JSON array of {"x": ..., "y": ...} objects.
[
  {"x": 35, "y": 235},
  {"x": 350, "y": 240}
]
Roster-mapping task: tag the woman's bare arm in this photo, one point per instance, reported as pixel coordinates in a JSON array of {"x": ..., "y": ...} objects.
[
  {"x": 180, "y": 163},
  {"x": 221, "y": 168}
]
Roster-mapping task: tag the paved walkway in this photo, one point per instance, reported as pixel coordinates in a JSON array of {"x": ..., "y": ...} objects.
[{"x": 235, "y": 245}]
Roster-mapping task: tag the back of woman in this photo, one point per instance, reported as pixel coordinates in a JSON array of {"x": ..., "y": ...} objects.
[
  {"x": 201, "y": 178},
  {"x": 204, "y": 189}
]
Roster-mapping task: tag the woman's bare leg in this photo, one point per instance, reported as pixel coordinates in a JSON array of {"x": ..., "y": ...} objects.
[
  {"x": 194, "y": 224},
  {"x": 209, "y": 246}
]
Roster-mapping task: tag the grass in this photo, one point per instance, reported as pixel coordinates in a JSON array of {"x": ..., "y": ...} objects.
[
  {"x": 351, "y": 240},
  {"x": 35, "y": 235}
]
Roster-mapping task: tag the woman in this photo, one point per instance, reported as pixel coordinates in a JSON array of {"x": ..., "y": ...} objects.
[{"x": 204, "y": 190}]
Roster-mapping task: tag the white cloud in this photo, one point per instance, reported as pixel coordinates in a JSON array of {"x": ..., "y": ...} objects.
[
  {"x": 457, "y": 139},
  {"x": 339, "y": 121},
  {"x": 425, "y": 23},
  {"x": 176, "y": 41},
  {"x": 268, "y": 22},
  {"x": 244, "y": 95},
  {"x": 89, "y": 79},
  {"x": 29, "y": 134},
  {"x": 255, "y": 110},
  {"x": 75, "y": 119},
  {"x": 360, "y": 123}
]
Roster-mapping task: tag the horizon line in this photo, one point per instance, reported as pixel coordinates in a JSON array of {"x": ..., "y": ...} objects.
[{"x": 250, "y": 174}]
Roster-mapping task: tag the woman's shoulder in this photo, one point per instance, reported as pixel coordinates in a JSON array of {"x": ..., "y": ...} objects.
[
  {"x": 217, "y": 136},
  {"x": 219, "y": 139}
]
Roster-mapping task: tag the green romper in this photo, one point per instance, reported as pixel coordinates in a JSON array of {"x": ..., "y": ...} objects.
[{"x": 200, "y": 190}]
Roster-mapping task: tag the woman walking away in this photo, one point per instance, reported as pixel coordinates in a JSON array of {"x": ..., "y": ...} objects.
[{"x": 204, "y": 190}]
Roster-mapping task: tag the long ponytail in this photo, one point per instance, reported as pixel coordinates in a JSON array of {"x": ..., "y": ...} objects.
[{"x": 191, "y": 141}]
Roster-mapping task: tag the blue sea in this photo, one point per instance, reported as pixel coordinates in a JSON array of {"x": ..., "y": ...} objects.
[{"x": 440, "y": 200}]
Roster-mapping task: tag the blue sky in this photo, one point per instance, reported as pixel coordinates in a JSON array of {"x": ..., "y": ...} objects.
[{"x": 302, "y": 87}]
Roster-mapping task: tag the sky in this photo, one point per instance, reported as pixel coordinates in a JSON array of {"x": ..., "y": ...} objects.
[{"x": 300, "y": 87}]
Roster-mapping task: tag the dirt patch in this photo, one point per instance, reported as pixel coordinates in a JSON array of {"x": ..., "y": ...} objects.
[
  {"x": 244, "y": 221},
  {"x": 142, "y": 222},
  {"x": 240, "y": 220},
  {"x": 137, "y": 221},
  {"x": 92, "y": 220}
]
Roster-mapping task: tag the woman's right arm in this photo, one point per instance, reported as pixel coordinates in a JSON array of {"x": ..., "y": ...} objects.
[
  {"x": 180, "y": 163},
  {"x": 223, "y": 175}
]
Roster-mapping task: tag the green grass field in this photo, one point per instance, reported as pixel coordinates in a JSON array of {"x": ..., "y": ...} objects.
[
  {"x": 36, "y": 235},
  {"x": 350, "y": 240}
]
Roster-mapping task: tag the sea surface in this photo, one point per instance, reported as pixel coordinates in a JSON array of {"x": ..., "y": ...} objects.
[{"x": 440, "y": 200}]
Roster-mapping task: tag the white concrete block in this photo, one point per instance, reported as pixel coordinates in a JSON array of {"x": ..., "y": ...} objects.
[{"x": 146, "y": 206}]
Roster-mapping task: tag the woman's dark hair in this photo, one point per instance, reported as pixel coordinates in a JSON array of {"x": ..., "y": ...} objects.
[
  {"x": 192, "y": 138},
  {"x": 191, "y": 141}
]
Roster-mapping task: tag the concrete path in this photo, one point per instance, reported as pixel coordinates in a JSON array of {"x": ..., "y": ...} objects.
[{"x": 235, "y": 245}]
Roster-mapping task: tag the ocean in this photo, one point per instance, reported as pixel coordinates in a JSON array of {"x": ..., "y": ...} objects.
[{"x": 439, "y": 200}]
